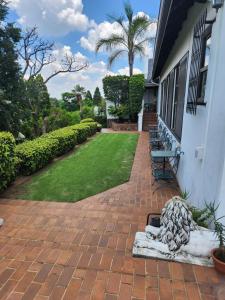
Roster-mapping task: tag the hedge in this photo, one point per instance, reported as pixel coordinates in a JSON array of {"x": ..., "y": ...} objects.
[
  {"x": 88, "y": 120},
  {"x": 83, "y": 132},
  {"x": 136, "y": 93},
  {"x": 36, "y": 154},
  {"x": 66, "y": 137},
  {"x": 7, "y": 160}
]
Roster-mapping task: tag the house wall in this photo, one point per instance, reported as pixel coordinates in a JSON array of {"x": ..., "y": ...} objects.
[{"x": 203, "y": 178}]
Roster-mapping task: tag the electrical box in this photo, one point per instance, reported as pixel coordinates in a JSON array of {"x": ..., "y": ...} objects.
[{"x": 199, "y": 152}]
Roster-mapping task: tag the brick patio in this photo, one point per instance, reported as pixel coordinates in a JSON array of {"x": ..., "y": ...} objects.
[{"x": 83, "y": 250}]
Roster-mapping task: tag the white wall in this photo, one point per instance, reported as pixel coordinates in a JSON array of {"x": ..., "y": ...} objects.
[{"x": 207, "y": 128}]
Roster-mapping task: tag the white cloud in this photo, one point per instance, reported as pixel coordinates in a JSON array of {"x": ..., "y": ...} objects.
[
  {"x": 105, "y": 29},
  {"x": 90, "y": 78},
  {"x": 125, "y": 71},
  {"x": 53, "y": 17},
  {"x": 100, "y": 31}
]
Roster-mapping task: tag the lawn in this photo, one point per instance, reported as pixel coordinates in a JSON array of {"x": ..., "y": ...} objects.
[{"x": 98, "y": 165}]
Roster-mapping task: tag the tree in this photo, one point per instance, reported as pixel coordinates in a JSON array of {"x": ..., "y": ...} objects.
[
  {"x": 88, "y": 95},
  {"x": 131, "y": 40},
  {"x": 70, "y": 101},
  {"x": 38, "y": 102},
  {"x": 78, "y": 89},
  {"x": 116, "y": 89},
  {"x": 38, "y": 53},
  {"x": 9, "y": 73},
  {"x": 88, "y": 100},
  {"x": 97, "y": 98}
]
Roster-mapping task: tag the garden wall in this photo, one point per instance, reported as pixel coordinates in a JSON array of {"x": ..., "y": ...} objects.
[{"x": 124, "y": 126}]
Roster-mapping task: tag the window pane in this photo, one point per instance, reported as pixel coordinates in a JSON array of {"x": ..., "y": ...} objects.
[{"x": 207, "y": 51}]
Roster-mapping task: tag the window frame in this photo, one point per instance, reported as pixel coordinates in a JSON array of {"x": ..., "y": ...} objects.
[
  {"x": 165, "y": 96},
  {"x": 203, "y": 69}
]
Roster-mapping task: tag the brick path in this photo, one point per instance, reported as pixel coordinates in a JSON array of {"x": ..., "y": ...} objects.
[{"x": 83, "y": 250}]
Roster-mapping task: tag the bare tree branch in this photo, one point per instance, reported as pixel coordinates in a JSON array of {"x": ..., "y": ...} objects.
[
  {"x": 37, "y": 54},
  {"x": 69, "y": 64}
]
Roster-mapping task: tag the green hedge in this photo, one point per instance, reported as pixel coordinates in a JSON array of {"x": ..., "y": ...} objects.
[
  {"x": 136, "y": 93},
  {"x": 66, "y": 137},
  {"x": 88, "y": 120},
  {"x": 83, "y": 132},
  {"x": 7, "y": 160},
  {"x": 36, "y": 154},
  {"x": 93, "y": 128}
]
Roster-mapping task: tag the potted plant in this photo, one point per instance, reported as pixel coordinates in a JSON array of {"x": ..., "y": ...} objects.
[{"x": 218, "y": 254}]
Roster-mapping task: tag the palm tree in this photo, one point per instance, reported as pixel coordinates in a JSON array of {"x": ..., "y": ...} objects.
[{"x": 131, "y": 40}]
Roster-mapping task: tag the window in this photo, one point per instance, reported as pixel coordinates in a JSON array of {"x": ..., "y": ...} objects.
[
  {"x": 172, "y": 97},
  {"x": 199, "y": 63},
  {"x": 205, "y": 62}
]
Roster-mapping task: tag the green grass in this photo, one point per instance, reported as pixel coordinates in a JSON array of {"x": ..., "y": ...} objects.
[{"x": 98, "y": 165}]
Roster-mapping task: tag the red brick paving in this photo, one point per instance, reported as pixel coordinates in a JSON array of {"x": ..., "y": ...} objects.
[{"x": 52, "y": 250}]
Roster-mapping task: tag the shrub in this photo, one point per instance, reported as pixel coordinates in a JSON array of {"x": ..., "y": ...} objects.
[
  {"x": 87, "y": 112},
  {"x": 88, "y": 120},
  {"x": 7, "y": 161},
  {"x": 93, "y": 128},
  {"x": 74, "y": 117},
  {"x": 101, "y": 120},
  {"x": 83, "y": 132},
  {"x": 36, "y": 154},
  {"x": 66, "y": 137},
  {"x": 136, "y": 93}
]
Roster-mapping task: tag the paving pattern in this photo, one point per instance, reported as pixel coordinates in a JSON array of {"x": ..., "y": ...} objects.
[{"x": 53, "y": 251}]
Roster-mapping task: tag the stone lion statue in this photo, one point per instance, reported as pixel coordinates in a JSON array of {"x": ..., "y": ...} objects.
[{"x": 176, "y": 223}]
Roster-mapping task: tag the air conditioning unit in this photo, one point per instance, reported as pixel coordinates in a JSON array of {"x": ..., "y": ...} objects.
[{"x": 217, "y": 3}]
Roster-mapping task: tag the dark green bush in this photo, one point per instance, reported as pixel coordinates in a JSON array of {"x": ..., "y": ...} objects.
[
  {"x": 136, "y": 93},
  {"x": 87, "y": 112},
  {"x": 88, "y": 120},
  {"x": 7, "y": 161},
  {"x": 93, "y": 127},
  {"x": 36, "y": 154},
  {"x": 66, "y": 137},
  {"x": 83, "y": 132},
  {"x": 116, "y": 89},
  {"x": 101, "y": 120}
]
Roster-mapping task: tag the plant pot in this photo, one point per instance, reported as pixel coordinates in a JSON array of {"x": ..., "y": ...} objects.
[
  {"x": 153, "y": 220},
  {"x": 219, "y": 265}
]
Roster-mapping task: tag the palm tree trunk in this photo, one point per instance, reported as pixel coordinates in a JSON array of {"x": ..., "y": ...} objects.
[{"x": 131, "y": 63}]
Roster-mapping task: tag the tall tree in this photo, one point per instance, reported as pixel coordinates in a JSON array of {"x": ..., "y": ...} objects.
[
  {"x": 38, "y": 102},
  {"x": 70, "y": 101},
  {"x": 97, "y": 98},
  {"x": 9, "y": 73},
  {"x": 88, "y": 95},
  {"x": 38, "y": 53},
  {"x": 131, "y": 40}
]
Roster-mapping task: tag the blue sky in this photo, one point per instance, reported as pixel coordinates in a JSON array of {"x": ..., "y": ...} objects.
[{"x": 74, "y": 26}]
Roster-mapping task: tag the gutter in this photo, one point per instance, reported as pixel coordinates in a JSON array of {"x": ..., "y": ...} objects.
[{"x": 158, "y": 51}]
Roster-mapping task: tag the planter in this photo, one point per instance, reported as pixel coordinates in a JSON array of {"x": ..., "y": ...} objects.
[
  {"x": 153, "y": 220},
  {"x": 219, "y": 265}
]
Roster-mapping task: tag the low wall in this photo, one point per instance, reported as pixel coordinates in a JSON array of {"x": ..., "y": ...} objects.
[{"x": 124, "y": 126}]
